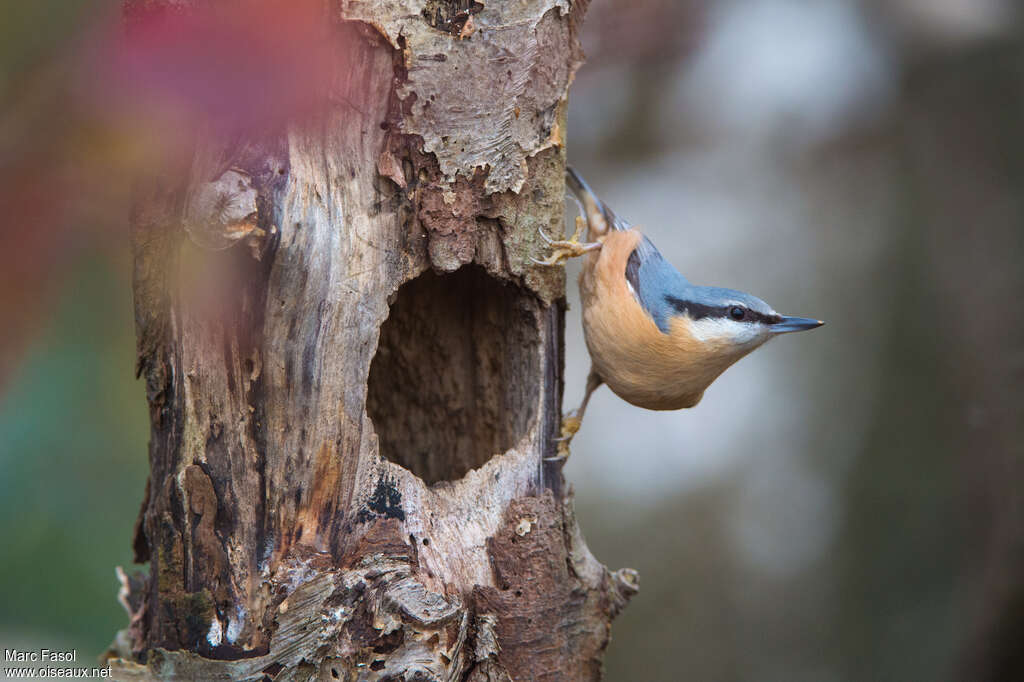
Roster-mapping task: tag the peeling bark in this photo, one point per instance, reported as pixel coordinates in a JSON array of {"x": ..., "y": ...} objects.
[{"x": 348, "y": 436}]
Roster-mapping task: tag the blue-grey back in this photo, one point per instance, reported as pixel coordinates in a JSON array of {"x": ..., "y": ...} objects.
[{"x": 655, "y": 281}]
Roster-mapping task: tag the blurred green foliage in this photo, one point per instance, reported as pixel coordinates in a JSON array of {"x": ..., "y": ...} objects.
[
  {"x": 31, "y": 31},
  {"x": 73, "y": 433}
]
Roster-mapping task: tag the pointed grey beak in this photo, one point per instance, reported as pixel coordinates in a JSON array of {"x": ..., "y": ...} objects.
[{"x": 795, "y": 324}]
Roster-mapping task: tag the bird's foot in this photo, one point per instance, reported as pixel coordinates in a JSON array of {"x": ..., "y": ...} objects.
[
  {"x": 564, "y": 249},
  {"x": 570, "y": 425}
]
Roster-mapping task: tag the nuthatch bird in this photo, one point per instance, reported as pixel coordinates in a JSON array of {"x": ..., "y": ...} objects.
[{"x": 655, "y": 338}]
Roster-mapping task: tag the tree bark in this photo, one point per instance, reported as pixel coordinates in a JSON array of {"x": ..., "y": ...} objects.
[{"x": 354, "y": 372}]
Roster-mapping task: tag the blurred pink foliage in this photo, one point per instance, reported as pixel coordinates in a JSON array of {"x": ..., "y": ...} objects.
[
  {"x": 249, "y": 67},
  {"x": 120, "y": 95}
]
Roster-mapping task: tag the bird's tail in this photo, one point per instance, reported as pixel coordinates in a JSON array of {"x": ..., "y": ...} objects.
[{"x": 599, "y": 217}]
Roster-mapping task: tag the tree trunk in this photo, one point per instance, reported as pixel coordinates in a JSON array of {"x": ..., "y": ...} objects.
[{"x": 354, "y": 372}]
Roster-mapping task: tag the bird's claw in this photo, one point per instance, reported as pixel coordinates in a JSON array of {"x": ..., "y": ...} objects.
[
  {"x": 570, "y": 425},
  {"x": 564, "y": 249}
]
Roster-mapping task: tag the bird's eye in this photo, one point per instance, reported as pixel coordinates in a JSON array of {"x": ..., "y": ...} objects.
[{"x": 737, "y": 313}]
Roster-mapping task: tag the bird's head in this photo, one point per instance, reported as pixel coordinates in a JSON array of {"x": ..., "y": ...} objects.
[{"x": 731, "y": 322}]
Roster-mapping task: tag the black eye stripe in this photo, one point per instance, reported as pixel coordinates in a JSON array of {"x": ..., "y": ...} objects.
[{"x": 699, "y": 311}]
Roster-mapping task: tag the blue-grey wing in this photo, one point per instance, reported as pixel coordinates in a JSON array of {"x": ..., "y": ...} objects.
[{"x": 654, "y": 280}]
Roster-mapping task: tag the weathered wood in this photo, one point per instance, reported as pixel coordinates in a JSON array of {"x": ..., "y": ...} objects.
[{"x": 354, "y": 372}]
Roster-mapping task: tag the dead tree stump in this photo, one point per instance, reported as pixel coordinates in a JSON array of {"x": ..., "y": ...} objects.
[{"x": 354, "y": 372}]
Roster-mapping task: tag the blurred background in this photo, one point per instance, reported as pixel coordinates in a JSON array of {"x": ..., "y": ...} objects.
[{"x": 845, "y": 504}]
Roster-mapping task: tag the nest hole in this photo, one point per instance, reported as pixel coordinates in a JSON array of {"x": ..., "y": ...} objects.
[{"x": 455, "y": 378}]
